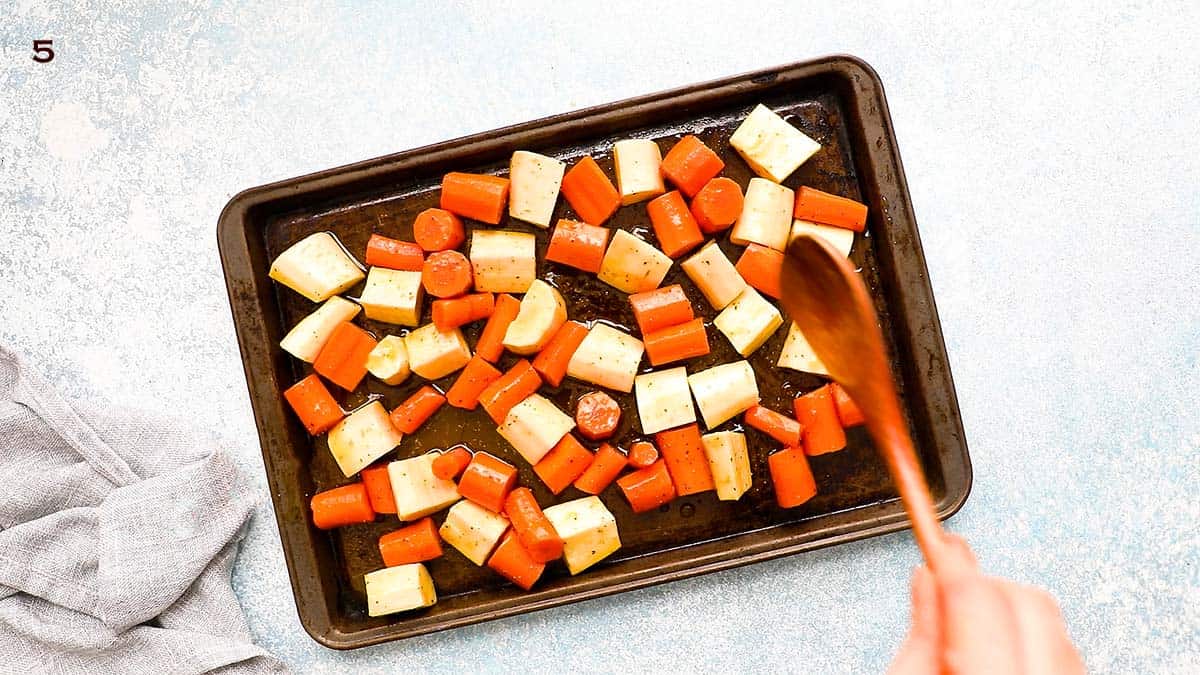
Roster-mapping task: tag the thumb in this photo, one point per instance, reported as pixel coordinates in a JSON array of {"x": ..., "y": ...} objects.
[{"x": 920, "y": 653}]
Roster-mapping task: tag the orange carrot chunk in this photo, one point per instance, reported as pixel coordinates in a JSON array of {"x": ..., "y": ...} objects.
[
  {"x": 792, "y": 477},
  {"x": 685, "y": 341},
  {"x": 648, "y": 488},
  {"x": 597, "y": 415},
  {"x": 446, "y": 274},
  {"x": 848, "y": 411},
  {"x": 674, "y": 225},
  {"x": 578, "y": 244},
  {"x": 565, "y": 462},
  {"x": 531, "y": 525},
  {"x": 394, "y": 254},
  {"x": 690, "y": 164},
  {"x": 822, "y": 207},
  {"x": 661, "y": 308},
  {"x": 474, "y": 378},
  {"x": 379, "y": 488},
  {"x": 451, "y": 313},
  {"x": 551, "y": 362},
  {"x": 762, "y": 268},
  {"x": 513, "y": 561},
  {"x": 717, "y": 205},
  {"x": 475, "y": 196},
  {"x": 487, "y": 480},
  {"x": 413, "y": 543},
  {"x": 343, "y": 359},
  {"x": 491, "y": 341},
  {"x": 590, "y": 192},
  {"x": 509, "y": 389},
  {"x": 451, "y": 463},
  {"x": 684, "y": 454},
  {"x": 345, "y": 505},
  {"x": 780, "y": 427},
  {"x": 606, "y": 464},
  {"x": 642, "y": 454},
  {"x": 438, "y": 230},
  {"x": 822, "y": 431},
  {"x": 314, "y": 405},
  {"x": 410, "y": 415}
]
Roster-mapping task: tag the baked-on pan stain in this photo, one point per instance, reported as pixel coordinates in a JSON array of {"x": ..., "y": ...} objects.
[{"x": 837, "y": 100}]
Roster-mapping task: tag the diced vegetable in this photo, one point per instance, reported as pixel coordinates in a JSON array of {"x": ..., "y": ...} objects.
[
  {"x": 631, "y": 265},
  {"x": 821, "y": 207},
  {"x": 475, "y": 196},
  {"x": 475, "y": 377},
  {"x": 661, "y": 308},
  {"x": 797, "y": 354},
  {"x": 642, "y": 454},
  {"x": 514, "y": 386},
  {"x": 766, "y": 216},
  {"x": 438, "y": 230},
  {"x": 638, "y": 163},
  {"x": 772, "y": 147},
  {"x": 578, "y": 244},
  {"x": 683, "y": 452},
  {"x": 597, "y": 415},
  {"x": 531, "y": 526},
  {"x": 841, "y": 239},
  {"x": 418, "y": 491},
  {"x": 664, "y": 400},
  {"x": 394, "y": 254},
  {"x": 729, "y": 462},
  {"x": 542, "y": 313},
  {"x": 791, "y": 477},
  {"x": 748, "y": 321},
  {"x": 822, "y": 431},
  {"x": 503, "y": 261},
  {"x": 685, "y": 341},
  {"x": 454, "y": 312},
  {"x": 565, "y": 462},
  {"x": 446, "y": 274},
  {"x": 605, "y": 467},
  {"x": 345, "y": 505},
  {"x": 379, "y": 488},
  {"x": 416, "y": 409},
  {"x": 473, "y": 530},
  {"x": 714, "y": 275},
  {"x": 363, "y": 437},
  {"x": 305, "y": 339},
  {"x": 314, "y": 405},
  {"x": 762, "y": 268},
  {"x": 535, "y": 183},
  {"x": 399, "y": 589},
  {"x": 434, "y": 353},
  {"x": 723, "y": 391},
  {"x": 782, "y": 428},
  {"x": 648, "y": 488},
  {"x": 590, "y": 192},
  {"x": 413, "y": 543},
  {"x": 690, "y": 164},
  {"x": 316, "y": 267},
  {"x": 343, "y": 358},
  {"x": 588, "y": 530},
  {"x": 451, "y": 463},
  {"x": 388, "y": 361},
  {"x": 673, "y": 224},
  {"x": 717, "y": 205},
  {"x": 534, "y": 426},
  {"x": 487, "y": 481},
  {"x": 393, "y": 296},
  {"x": 513, "y": 561},
  {"x": 847, "y": 410},
  {"x": 607, "y": 357},
  {"x": 491, "y": 341},
  {"x": 551, "y": 362}
]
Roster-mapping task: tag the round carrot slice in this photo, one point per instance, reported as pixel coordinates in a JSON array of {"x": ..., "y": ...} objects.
[
  {"x": 438, "y": 230},
  {"x": 642, "y": 454},
  {"x": 597, "y": 415},
  {"x": 446, "y": 274}
]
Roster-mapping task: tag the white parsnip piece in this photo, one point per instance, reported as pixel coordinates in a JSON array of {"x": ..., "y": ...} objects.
[
  {"x": 639, "y": 170},
  {"x": 362, "y": 437},
  {"x": 534, "y": 426},
  {"x": 772, "y": 147},
  {"x": 542, "y": 313},
  {"x": 664, "y": 400},
  {"x": 388, "y": 361},
  {"x": 316, "y": 267},
  {"x": 305, "y": 339},
  {"x": 588, "y": 530},
  {"x": 533, "y": 190},
  {"x": 748, "y": 321},
  {"x": 503, "y": 261},
  {"x": 473, "y": 530},
  {"x": 729, "y": 463},
  {"x": 797, "y": 354},
  {"x": 714, "y": 275},
  {"x": 633, "y": 265},
  {"x": 723, "y": 391},
  {"x": 607, "y": 357},
  {"x": 417, "y": 490},
  {"x": 766, "y": 215},
  {"x": 841, "y": 238},
  {"x": 393, "y": 296},
  {"x": 399, "y": 589},
  {"x": 434, "y": 353}
]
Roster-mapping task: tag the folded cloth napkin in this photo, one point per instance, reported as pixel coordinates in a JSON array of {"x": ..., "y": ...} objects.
[{"x": 117, "y": 535}]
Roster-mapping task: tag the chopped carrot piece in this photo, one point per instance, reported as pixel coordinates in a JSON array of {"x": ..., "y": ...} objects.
[
  {"x": 565, "y": 462},
  {"x": 674, "y": 225},
  {"x": 413, "y": 543},
  {"x": 514, "y": 386},
  {"x": 578, "y": 244},
  {"x": 848, "y": 411},
  {"x": 379, "y": 488},
  {"x": 475, "y": 196},
  {"x": 685, "y": 341},
  {"x": 345, "y": 505},
  {"x": 717, "y": 205},
  {"x": 661, "y": 308},
  {"x": 394, "y": 254},
  {"x": 474, "y": 378},
  {"x": 792, "y": 477},
  {"x": 491, "y": 341},
  {"x": 438, "y": 230},
  {"x": 451, "y": 313},
  {"x": 822, "y": 431},
  {"x": 551, "y": 362},
  {"x": 446, "y": 274},
  {"x": 597, "y": 415},
  {"x": 648, "y": 488},
  {"x": 451, "y": 463},
  {"x": 606, "y": 464},
  {"x": 513, "y": 561},
  {"x": 590, "y": 192},
  {"x": 780, "y": 427},
  {"x": 642, "y": 454},
  {"x": 487, "y": 480},
  {"x": 684, "y": 454},
  {"x": 343, "y": 359},
  {"x": 762, "y": 268},
  {"x": 314, "y": 405},
  {"x": 531, "y": 525},
  {"x": 822, "y": 207},
  {"x": 690, "y": 164},
  {"x": 416, "y": 409}
]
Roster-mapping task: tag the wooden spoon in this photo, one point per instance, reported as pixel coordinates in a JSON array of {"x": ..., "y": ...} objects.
[{"x": 828, "y": 300}]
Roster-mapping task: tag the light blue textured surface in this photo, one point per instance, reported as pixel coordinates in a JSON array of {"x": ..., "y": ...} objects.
[{"x": 1054, "y": 166}]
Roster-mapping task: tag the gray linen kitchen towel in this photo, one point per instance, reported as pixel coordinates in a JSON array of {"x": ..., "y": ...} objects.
[{"x": 117, "y": 535}]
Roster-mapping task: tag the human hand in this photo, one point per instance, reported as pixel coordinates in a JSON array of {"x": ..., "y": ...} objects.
[{"x": 964, "y": 622}]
